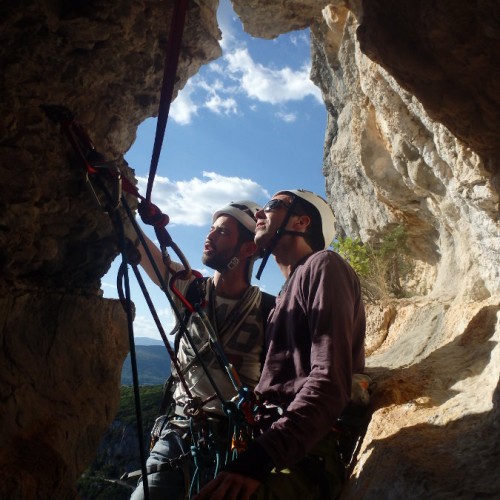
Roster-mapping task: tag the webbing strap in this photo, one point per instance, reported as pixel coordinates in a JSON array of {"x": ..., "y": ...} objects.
[
  {"x": 169, "y": 75},
  {"x": 279, "y": 233}
]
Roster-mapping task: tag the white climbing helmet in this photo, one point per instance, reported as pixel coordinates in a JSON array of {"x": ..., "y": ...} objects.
[
  {"x": 243, "y": 211},
  {"x": 322, "y": 206}
]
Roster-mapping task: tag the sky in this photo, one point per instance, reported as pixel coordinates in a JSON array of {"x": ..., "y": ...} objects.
[{"x": 245, "y": 126}]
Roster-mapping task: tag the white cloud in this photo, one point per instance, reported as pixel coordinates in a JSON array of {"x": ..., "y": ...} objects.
[
  {"x": 222, "y": 106},
  {"x": 183, "y": 108},
  {"x": 192, "y": 202},
  {"x": 216, "y": 67},
  {"x": 299, "y": 38},
  {"x": 206, "y": 271},
  {"x": 214, "y": 102},
  {"x": 237, "y": 74},
  {"x": 286, "y": 117},
  {"x": 267, "y": 84},
  {"x": 145, "y": 326}
]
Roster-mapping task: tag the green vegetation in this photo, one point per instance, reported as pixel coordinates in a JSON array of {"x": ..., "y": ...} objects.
[
  {"x": 357, "y": 254},
  {"x": 153, "y": 365},
  {"x": 118, "y": 452},
  {"x": 384, "y": 265},
  {"x": 150, "y": 396}
]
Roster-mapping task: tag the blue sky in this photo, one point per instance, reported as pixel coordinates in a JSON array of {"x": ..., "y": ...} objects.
[{"x": 247, "y": 125}]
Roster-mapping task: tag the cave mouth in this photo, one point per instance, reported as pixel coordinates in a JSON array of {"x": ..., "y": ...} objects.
[{"x": 246, "y": 125}]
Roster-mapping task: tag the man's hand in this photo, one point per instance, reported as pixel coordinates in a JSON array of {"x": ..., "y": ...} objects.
[{"x": 229, "y": 486}]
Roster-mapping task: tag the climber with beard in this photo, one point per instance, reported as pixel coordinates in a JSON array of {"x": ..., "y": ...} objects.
[
  {"x": 315, "y": 345},
  {"x": 237, "y": 312}
]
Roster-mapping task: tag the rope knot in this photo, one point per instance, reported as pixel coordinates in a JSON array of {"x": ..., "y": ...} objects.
[{"x": 152, "y": 215}]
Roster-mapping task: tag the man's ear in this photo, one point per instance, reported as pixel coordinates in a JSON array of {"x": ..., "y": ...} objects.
[
  {"x": 301, "y": 223},
  {"x": 248, "y": 249}
]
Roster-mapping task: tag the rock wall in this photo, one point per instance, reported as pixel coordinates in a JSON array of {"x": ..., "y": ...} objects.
[
  {"x": 59, "y": 390},
  {"x": 413, "y": 97},
  {"x": 400, "y": 100},
  {"x": 63, "y": 346}
]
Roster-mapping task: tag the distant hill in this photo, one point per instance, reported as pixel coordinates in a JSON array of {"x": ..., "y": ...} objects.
[
  {"x": 153, "y": 365},
  {"x": 147, "y": 341},
  {"x": 119, "y": 448}
]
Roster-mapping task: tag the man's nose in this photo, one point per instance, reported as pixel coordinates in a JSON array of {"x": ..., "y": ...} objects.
[{"x": 260, "y": 214}]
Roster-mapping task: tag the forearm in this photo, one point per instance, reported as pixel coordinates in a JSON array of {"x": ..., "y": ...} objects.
[
  {"x": 306, "y": 421},
  {"x": 316, "y": 405},
  {"x": 157, "y": 258}
]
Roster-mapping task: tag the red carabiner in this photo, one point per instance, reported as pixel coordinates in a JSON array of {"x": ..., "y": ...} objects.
[{"x": 179, "y": 295}]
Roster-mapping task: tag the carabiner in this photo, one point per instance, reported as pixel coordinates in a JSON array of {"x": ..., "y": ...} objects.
[{"x": 190, "y": 307}]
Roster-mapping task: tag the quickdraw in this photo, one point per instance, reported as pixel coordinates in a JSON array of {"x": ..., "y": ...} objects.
[
  {"x": 240, "y": 414},
  {"x": 246, "y": 402}
]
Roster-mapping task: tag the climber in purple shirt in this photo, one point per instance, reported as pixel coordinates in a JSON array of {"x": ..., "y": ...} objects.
[{"x": 315, "y": 343}]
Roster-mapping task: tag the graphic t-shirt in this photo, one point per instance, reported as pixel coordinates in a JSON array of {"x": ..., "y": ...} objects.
[{"x": 238, "y": 326}]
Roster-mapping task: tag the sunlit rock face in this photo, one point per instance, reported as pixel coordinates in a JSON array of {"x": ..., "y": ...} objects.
[
  {"x": 412, "y": 93},
  {"x": 415, "y": 171},
  {"x": 412, "y": 139}
]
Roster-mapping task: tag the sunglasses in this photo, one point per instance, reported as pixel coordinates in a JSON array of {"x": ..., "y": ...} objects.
[{"x": 274, "y": 204}]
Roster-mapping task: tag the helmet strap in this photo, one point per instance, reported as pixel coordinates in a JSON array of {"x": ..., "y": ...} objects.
[
  {"x": 294, "y": 233},
  {"x": 279, "y": 233}
]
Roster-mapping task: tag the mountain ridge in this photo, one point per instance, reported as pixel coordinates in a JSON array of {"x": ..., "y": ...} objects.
[
  {"x": 147, "y": 341},
  {"x": 153, "y": 365}
]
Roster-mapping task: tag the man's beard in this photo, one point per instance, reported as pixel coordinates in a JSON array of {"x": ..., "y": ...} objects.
[{"x": 216, "y": 262}]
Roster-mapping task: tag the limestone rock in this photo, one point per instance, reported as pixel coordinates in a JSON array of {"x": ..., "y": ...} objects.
[
  {"x": 59, "y": 386},
  {"x": 436, "y": 406}
]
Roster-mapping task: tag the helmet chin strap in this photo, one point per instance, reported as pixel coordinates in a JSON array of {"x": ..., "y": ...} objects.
[
  {"x": 234, "y": 262},
  {"x": 293, "y": 233},
  {"x": 281, "y": 231}
]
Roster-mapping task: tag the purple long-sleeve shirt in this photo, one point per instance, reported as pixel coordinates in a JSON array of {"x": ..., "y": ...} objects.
[{"x": 315, "y": 342}]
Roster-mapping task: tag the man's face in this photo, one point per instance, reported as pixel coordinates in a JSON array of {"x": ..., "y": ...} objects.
[
  {"x": 221, "y": 243},
  {"x": 270, "y": 218}
]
